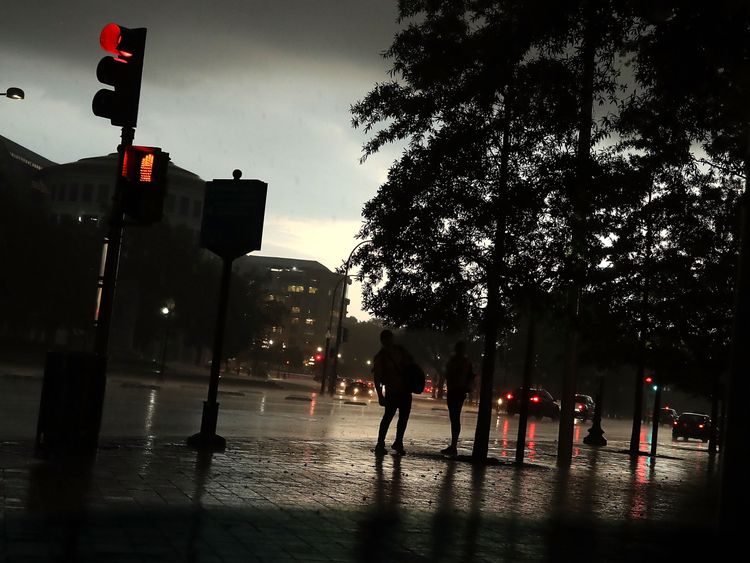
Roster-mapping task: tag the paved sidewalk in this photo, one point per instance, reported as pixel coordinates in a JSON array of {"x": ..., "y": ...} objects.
[{"x": 333, "y": 500}]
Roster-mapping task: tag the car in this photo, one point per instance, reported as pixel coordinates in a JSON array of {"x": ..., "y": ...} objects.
[
  {"x": 692, "y": 425},
  {"x": 541, "y": 403},
  {"x": 341, "y": 383},
  {"x": 667, "y": 415},
  {"x": 584, "y": 407},
  {"x": 359, "y": 389}
]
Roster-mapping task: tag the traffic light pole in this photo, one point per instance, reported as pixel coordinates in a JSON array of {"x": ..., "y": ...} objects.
[{"x": 112, "y": 244}]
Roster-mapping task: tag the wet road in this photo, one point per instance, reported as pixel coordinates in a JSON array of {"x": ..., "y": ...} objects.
[
  {"x": 172, "y": 410},
  {"x": 300, "y": 483}
]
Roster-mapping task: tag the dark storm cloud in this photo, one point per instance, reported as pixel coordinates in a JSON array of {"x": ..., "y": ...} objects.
[{"x": 205, "y": 34}]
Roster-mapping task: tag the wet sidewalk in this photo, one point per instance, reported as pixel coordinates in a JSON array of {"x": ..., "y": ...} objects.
[{"x": 333, "y": 500}]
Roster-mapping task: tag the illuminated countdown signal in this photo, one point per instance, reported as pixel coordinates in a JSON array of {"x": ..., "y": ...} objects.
[{"x": 144, "y": 174}]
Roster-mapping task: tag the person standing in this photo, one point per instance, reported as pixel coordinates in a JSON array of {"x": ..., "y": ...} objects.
[
  {"x": 392, "y": 386},
  {"x": 459, "y": 378}
]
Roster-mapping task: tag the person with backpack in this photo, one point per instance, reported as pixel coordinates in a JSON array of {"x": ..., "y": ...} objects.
[
  {"x": 394, "y": 390},
  {"x": 459, "y": 378}
]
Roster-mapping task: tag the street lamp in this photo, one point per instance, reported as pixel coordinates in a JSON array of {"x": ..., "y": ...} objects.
[
  {"x": 166, "y": 312},
  {"x": 332, "y": 382},
  {"x": 327, "y": 351},
  {"x": 13, "y": 93}
]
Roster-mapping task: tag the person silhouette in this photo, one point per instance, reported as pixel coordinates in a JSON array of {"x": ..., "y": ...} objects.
[
  {"x": 389, "y": 369},
  {"x": 459, "y": 378}
]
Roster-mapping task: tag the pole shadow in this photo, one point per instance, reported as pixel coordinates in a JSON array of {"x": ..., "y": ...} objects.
[
  {"x": 203, "y": 461},
  {"x": 59, "y": 491},
  {"x": 380, "y": 532}
]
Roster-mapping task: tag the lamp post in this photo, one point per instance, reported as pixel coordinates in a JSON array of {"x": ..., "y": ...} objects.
[
  {"x": 327, "y": 349},
  {"x": 166, "y": 311},
  {"x": 13, "y": 93},
  {"x": 332, "y": 382}
]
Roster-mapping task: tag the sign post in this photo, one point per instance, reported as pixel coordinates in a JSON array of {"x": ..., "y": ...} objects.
[{"x": 233, "y": 212}]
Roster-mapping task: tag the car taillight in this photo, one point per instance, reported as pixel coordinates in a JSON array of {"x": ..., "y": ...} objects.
[
  {"x": 674, "y": 423},
  {"x": 509, "y": 396},
  {"x": 534, "y": 399}
]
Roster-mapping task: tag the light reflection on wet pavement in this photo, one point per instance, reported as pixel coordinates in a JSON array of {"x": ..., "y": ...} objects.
[
  {"x": 319, "y": 500},
  {"x": 308, "y": 488}
]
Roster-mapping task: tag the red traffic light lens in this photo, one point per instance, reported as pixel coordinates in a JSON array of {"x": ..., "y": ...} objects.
[{"x": 110, "y": 39}]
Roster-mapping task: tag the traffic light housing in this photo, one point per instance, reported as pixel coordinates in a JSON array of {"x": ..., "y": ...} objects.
[
  {"x": 121, "y": 71},
  {"x": 144, "y": 177}
]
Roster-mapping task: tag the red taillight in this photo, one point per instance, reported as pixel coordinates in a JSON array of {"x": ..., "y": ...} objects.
[
  {"x": 674, "y": 423},
  {"x": 509, "y": 396},
  {"x": 534, "y": 399}
]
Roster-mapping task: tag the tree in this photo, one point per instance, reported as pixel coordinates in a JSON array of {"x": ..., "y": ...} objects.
[{"x": 488, "y": 103}]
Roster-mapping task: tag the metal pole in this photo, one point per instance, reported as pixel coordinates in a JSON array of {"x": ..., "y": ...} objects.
[
  {"x": 112, "y": 243},
  {"x": 523, "y": 415},
  {"x": 655, "y": 421},
  {"x": 207, "y": 437},
  {"x": 328, "y": 339},
  {"x": 168, "y": 318},
  {"x": 596, "y": 434},
  {"x": 332, "y": 382}
]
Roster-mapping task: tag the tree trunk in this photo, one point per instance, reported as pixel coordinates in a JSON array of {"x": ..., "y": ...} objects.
[
  {"x": 577, "y": 196},
  {"x": 491, "y": 311}
]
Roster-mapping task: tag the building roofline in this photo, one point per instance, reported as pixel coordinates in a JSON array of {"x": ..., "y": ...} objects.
[
  {"x": 249, "y": 261},
  {"x": 23, "y": 152}
]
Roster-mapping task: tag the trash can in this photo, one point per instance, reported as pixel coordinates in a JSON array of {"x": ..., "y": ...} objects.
[{"x": 70, "y": 407}]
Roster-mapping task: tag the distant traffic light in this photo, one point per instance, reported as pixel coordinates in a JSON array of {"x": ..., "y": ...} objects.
[
  {"x": 648, "y": 379},
  {"x": 144, "y": 177},
  {"x": 123, "y": 72},
  {"x": 318, "y": 357}
]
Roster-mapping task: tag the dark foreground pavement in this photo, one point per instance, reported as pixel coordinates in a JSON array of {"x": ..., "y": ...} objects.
[{"x": 333, "y": 500}]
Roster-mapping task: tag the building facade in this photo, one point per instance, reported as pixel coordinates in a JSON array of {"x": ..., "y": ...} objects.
[
  {"x": 309, "y": 295},
  {"x": 83, "y": 190}
]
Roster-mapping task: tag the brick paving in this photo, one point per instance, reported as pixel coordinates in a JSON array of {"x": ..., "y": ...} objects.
[{"x": 333, "y": 500}]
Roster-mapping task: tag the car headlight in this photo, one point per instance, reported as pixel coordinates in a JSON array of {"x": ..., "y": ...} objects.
[{"x": 500, "y": 401}]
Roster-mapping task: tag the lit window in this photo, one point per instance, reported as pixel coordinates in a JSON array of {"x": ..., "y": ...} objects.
[
  {"x": 295, "y": 309},
  {"x": 296, "y": 289},
  {"x": 312, "y": 290},
  {"x": 295, "y": 320},
  {"x": 309, "y": 321}
]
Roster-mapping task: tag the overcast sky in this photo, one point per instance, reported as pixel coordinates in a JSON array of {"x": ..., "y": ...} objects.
[{"x": 260, "y": 85}]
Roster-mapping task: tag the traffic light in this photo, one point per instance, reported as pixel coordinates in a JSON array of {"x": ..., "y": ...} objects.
[
  {"x": 144, "y": 177},
  {"x": 318, "y": 357},
  {"x": 123, "y": 72},
  {"x": 648, "y": 379}
]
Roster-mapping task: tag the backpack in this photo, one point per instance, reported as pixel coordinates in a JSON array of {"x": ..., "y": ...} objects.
[{"x": 416, "y": 378}]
